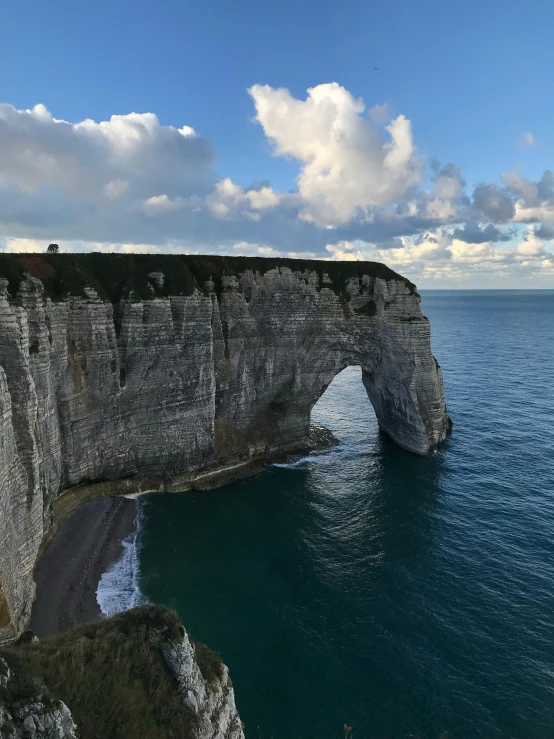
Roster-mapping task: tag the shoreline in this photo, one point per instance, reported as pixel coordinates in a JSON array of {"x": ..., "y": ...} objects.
[
  {"x": 67, "y": 574},
  {"x": 320, "y": 438},
  {"x": 90, "y": 522}
]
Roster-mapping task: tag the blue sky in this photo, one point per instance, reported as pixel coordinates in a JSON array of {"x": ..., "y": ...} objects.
[{"x": 472, "y": 79}]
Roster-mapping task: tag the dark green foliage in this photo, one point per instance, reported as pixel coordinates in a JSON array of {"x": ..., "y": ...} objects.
[
  {"x": 117, "y": 276},
  {"x": 209, "y": 663},
  {"x": 12, "y": 269},
  {"x": 112, "y": 676},
  {"x": 27, "y": 637},
  {"x": 22, "y": 686},
  {"x": 203, "y": 267},
  {"x": 367, "y": 309}
]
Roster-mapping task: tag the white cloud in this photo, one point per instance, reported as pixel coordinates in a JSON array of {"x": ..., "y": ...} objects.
[
  {"x": 527, "y": 139},
  {"x": 438, "y": 256},
  {"x": 346, "y": 251},
  {"x": 23, "y": 245},
  {"x": 158, "y": 204},
  {"x": 448, "y": 183},
  {"x": 380, "y": 113},
  {"x": 533, "y": 201},
  {"x": 131, "y": 184},
  {"x": 90, "y": 160},
  {"x": 114, "y": 188},
  {"x": 527, "y": 191},
  {"x": 228, "y": 198},
  {"x": 442, "y": 210},
  {"x": 540, "y": 213},
  {"x": 347, "y": 166}
]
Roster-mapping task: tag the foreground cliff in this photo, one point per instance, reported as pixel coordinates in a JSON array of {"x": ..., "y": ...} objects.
[
  {"x": 171, "y": 372},
  {"x": 135, "y": 675}
]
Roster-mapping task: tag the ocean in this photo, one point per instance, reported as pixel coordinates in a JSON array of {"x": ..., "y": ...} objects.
[{"x": 366, "y": 586}]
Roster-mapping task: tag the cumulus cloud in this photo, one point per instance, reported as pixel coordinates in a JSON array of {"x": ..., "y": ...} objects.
[
  {"x": 545, "y": 186},
  {"x": 90, "y": 160},
  {"x": 229, "y": 199},
  {"x": 380, "y": 113},
  {"x": 346, "y": 164},
  {"x": 131, "y": 184},
  {"x": 533, "y": 201},
  {"x": 473, "y": 232},
  {"x": 544, "y": 231},
  {"x": 448, "y": 181},
  {"x": 494, "y": 202}
]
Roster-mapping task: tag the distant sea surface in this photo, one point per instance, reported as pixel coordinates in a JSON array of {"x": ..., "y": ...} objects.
[{"x": 371, "y": 587}]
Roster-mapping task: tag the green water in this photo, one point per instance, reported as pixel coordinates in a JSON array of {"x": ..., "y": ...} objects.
[{"x": 369, "y": 586}]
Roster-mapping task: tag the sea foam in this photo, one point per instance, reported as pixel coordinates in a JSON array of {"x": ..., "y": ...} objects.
[
  {"x": 303, "y": 463},
  {"x": 118, "y": 589}
]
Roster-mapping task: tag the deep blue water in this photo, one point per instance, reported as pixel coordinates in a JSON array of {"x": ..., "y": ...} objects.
[{"x": 369, "y": 586}]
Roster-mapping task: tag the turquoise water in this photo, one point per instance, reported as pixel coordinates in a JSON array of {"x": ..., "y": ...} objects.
[{"x": 369, "y": 586}]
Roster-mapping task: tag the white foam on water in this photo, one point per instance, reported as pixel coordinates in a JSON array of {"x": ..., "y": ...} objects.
[
  {"x": 118, "y": 589},
  {"x": 315, "y": 458}
]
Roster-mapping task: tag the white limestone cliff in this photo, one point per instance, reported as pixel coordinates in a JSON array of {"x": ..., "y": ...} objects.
[
  {"x": 162, "y": 392},
  {"x": 212, "y": 702}
]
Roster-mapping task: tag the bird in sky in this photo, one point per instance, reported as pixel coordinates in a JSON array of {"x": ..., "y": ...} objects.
[{"x": 376, "y": 67}]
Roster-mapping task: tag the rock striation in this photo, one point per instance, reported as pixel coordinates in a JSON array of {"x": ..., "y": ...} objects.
[{"x": 163, "y": 373}]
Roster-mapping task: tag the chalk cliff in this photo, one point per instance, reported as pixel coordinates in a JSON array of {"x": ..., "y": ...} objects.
[
  {"x": 135, "y": 675},
  {"x": 161, "y": 372}
]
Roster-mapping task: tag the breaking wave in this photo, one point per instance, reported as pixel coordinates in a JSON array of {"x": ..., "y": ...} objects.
[{"x": 118, "y": 589}]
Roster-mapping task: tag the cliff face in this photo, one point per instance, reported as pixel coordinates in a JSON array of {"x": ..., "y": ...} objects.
[
  {"x": 172, "y": 386},
  {"x": 135, "y": 675},
  {"x": 31, "y": 717}
]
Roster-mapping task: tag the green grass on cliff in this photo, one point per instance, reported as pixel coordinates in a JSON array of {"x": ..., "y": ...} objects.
[
  {"x": 114, "y": 276},
  {"x": 110, "y": 675}
]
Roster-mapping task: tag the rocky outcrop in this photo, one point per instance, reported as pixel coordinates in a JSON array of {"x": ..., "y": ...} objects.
[
  {"x": 32, "y": 717},
  {"x": 166, "y": 686},
  {"x": 211, "y": 700},
  {"x": 106, "y": 378}
]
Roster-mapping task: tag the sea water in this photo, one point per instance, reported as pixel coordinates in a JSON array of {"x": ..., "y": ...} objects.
[
  {"x": 371, "y": 587},
  {"x": 118, "y": 589}
]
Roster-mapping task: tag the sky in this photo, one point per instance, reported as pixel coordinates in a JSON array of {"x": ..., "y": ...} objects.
[{"x": 418, "y": 134}]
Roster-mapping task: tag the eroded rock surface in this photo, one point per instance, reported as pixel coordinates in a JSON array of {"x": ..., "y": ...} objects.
[
  {"x": 166, "y": 686},
  {"x": 212, "y": 701},
  {"x": 172, "y": 387},
  {"x": 37, "y": 717}
]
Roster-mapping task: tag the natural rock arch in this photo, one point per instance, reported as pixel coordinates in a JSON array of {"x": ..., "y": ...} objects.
[
  {"x": 314, "y": 338},
  {"x": 182, "y": 372}
]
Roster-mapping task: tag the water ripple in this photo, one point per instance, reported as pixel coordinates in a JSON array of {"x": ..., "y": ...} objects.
[{"x": 369, "y": 586}]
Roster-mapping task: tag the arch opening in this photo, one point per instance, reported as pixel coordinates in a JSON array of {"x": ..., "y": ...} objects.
[{"x": 345, "y": 409}]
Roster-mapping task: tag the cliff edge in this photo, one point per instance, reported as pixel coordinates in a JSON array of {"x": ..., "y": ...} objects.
[
  {"x": 125, "y": 373},
  {"x": 135, "y": 675}
]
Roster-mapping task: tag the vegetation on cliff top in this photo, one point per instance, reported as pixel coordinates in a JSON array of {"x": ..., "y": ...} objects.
[
  {"x": 111, "y": 675},
  {"x": 114, "y": 276}
]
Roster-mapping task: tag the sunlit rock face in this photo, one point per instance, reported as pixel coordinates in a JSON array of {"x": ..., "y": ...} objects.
[{"x": 177, "y": 385}]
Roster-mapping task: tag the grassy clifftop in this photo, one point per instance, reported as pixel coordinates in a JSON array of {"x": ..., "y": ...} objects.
[
  {"x": 111, "y": 675},
  {"x": 114, "y": 276}
]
